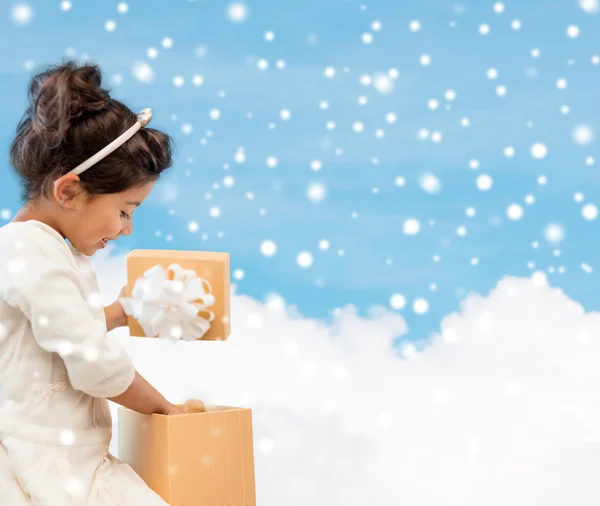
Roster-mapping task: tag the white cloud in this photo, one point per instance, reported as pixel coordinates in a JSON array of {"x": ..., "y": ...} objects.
[{"x": 502, "y": 408}]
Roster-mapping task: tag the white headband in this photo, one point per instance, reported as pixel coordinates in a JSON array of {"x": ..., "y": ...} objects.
[{"x": 143, "y": 118}]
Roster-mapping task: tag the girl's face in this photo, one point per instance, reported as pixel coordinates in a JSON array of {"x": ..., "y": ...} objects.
[{"x": 95, "y": 221}]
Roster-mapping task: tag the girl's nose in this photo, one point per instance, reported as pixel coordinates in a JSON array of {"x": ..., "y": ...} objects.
[{"x": 126, "y": 230}]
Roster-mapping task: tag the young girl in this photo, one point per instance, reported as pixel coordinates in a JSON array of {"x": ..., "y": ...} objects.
[{"x": 58, "y": 368}]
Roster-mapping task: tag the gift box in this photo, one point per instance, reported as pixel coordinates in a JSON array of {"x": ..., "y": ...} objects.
[
  {"x": 199, "y": 459},
  {"x": 178, "y": 294}
]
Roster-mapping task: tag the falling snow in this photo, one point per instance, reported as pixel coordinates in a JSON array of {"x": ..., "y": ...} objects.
[
  {"x": 590, "y": 6},
  {"x": 539, "y": 150},
  {"x": 22, "y": 14},
  {"x": 237, "y": 12},
  {"x": 582, "y": 134}
]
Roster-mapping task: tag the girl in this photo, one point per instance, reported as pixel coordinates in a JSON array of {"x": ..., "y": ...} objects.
[{"x": 57, "y": 365}]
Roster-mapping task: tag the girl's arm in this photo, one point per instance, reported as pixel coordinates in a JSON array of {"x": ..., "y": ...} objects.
[
  {"x": 39, "y": 278},
  {"x": 142, "y": 397}
]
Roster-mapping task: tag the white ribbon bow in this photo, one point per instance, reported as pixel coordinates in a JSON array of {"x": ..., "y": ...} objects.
[{"x": 171, "y": 308}]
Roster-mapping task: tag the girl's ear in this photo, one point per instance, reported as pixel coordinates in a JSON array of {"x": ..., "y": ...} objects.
[{"x": 65, "y": 189}]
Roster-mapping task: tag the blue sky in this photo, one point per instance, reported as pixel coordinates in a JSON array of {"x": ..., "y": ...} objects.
[{"x": 378, "y": 259}]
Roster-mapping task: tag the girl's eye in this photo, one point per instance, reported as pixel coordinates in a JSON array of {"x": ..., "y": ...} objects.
[{"x": 125, "y": 215}]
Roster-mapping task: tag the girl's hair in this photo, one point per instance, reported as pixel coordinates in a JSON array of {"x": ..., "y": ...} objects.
[{"x": 70, "y": 118}]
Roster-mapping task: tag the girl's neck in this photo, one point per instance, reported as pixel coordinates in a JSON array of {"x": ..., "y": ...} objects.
[{"x": 38, "y": 212}]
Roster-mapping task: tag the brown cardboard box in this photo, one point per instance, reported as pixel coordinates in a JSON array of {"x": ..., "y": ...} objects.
[
  {"x": 201, "y": 459},
  {"x": 213, "y": 267}
]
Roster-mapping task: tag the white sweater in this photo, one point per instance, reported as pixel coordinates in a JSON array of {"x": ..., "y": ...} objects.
[{"x": 57, "y": 364}]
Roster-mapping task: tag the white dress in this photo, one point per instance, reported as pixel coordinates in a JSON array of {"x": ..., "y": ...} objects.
[{"x": 57, "y": 367}]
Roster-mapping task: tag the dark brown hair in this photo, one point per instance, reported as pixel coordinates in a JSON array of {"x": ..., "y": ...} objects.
[{"x": 70, "y": 118}]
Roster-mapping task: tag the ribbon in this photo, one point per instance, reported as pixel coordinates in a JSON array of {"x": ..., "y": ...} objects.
[{"x": 167, "y": 303}]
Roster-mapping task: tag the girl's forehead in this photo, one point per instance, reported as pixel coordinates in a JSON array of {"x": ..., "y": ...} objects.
[{"x": 136, "y": 194}]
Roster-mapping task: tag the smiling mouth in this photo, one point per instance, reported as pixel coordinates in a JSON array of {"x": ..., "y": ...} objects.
[{"x": 104, "y": 242}]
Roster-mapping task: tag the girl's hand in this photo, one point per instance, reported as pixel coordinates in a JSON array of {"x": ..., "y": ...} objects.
[
  {"x": 119, "y": 311},
  {"x": 174, "y": 410},
  {"x": 115, "y": 315},
  {"x": 122, "y": 293}
]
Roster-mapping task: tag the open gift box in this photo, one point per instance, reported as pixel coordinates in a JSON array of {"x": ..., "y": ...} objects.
[
  {"x": 178, "y": 294},
  {"x": 199, "y": 459}
]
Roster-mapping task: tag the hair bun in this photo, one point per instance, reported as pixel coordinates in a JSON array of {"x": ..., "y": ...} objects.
[{"x": 62, "y": 95}]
